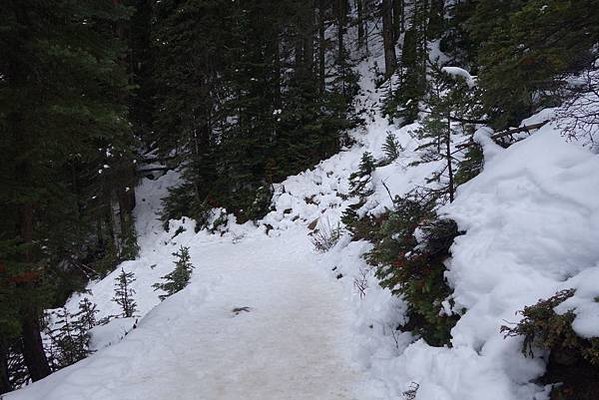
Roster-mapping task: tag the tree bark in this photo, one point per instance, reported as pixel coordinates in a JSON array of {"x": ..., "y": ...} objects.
[
  {"x": 360, "y": 11},
  {"x": 398, "y": 18},
  {"x": 341, "y": 23},
  {"x": 449, "y": 158},
  {"x": 308, "y": 35},
  {"x": 33, "y": 349},
  {"x": 321, "y": 47},
  {"x": 388, "y": 39},
  {"x": 5, "y": 385}
]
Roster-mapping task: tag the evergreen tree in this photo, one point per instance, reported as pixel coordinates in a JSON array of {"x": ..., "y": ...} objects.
[
  {"x": 451, "y": 104},
  {"x": 123, "y": 293},
  {"x": 70, "y": 340},
  {"x": 240, "y": 100},
  {"x": 403, "y": 100},
  {"x": 391, "y": 148},
  {"x": 178, "y": 279},
  {"x": 66, "y": 142},
  {"x": 360, "y": 187},
  {"x": 526, "y": 47},
  {"x": 86, "y": 316},
  {"x": 410, "y": 248}
]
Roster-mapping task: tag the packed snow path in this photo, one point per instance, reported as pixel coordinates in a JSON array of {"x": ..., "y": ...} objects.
[{"x": 290, "y": 343}]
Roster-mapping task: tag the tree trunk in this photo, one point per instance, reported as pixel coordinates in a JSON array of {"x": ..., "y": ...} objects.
[
  {"x": 449, "y": 158},
  {"x": 398, "y": 18},
  {"x": 5, "y": 385},
  {"x": 360, "y": 11},
  {"x": 321, "y": 46},
  {"x": 308, "y": 34},
  {"x": 277, "y": 101},
  {"x": 33, "y": 349},
  {"x": 341, "y": 22},
  {"x": 388, "y": 39}
]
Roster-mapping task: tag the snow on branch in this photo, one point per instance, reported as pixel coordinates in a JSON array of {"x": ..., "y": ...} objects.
[{"x": 456, "y": 71}]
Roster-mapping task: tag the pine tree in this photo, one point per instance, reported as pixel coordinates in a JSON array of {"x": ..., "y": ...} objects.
[
  {"x": 71, "y": 338},
  {"x": 123, "y": 293},
  {"x": 360, "y": 187},
  {"x": 62, "y": 98},
  {"x": 178, "y": 279},
  {"x": 450, "y": 103},
  {"x": 256, "y": 106},
  {"x": 86, "y": 316},
  {"x": 389, "y": 38},
  {"x": 391, "y": 148},
  {"x": 525, "y": 49}
]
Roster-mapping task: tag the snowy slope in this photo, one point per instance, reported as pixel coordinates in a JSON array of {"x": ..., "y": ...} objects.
[
  {"x": 291, "y": 343},
  {"x": 318, "y": 326}
]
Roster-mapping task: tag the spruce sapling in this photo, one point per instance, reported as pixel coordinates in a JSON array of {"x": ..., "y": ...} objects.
[
  {"x": 179, "y": 277},
  {"x": 70, "y": 341},
  {"x": 391, "y": 148},
  {"x": 123, "y": 293}
]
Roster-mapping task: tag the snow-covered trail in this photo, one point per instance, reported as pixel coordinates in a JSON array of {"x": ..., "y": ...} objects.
[{"x": 292, "y": 343}]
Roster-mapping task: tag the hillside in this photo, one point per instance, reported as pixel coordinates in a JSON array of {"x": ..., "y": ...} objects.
[{"x": 346, "y": 200}]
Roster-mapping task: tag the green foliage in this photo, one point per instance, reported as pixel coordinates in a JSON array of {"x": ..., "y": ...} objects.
[
  {"x": 68, "y": 154},
  {"x": 123, "y": 293},
  {"x": 402, "y": 102},
  {"x": 391, "y": 148},
  {"x": 526, "y": 47},
  {"x": 70, "y": 340},
  {"x": 573, "y": 363},
  {"x": 470, "y": 166},
  {"x": 239, "y": 102},
  {"x": 360, "y": 181},
  {"x": 409, "y": 251},
  {"x": 450, "y": 102},
  {"x": 543, "y": 328},
  {"x": 178, "y": 279},
  {"x": 360, "y": 187}
]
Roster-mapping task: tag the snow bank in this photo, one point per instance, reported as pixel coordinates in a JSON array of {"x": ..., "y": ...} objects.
[{"x": 532, "y": 227}]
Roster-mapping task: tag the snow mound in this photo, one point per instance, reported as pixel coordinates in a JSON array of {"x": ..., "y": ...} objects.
[{"x": 532, "y": 227}]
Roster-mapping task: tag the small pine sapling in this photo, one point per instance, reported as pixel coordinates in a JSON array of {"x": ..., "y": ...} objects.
[
  {"x": 391, "y": 148},
  {"x": 87, "y": 314},
  {"x": 70, "y": 340},
  {"x": 360, "y": 187},
  {"x": 450, "y": 106},
  {"x": 178, "y": 279},
  {"x": 123, "y": 293}
]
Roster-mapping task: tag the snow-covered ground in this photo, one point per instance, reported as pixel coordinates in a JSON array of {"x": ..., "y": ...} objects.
[
  {"x": 259, "y": 320},
  {"x": 318, "y": 326}
]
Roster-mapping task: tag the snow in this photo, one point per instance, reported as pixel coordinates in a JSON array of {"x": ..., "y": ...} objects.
[
  {"x": 291, "y": 344},
  {"x": 532, "y": 227},
  {"x": 114, "y": 331},
  {"x": 456, "y": 71},
  {"x": 318, "y": 326}
]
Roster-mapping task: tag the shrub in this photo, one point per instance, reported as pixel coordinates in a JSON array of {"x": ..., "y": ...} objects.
[
  {"x": 573, "y": 361},
  {"x": 409, "y": 253},
  {"x": 325, "y": 238},
  {"x": 360, "y": 187}
]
